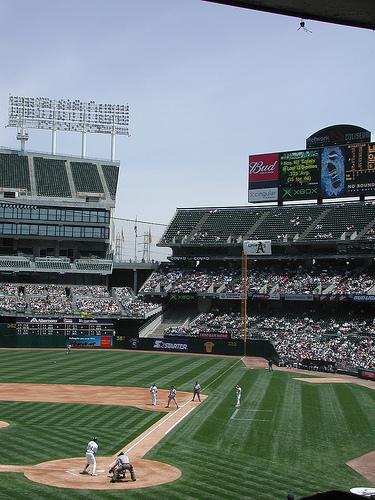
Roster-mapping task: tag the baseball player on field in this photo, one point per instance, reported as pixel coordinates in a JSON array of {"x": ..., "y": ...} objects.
[
  {"x": 172, "y": 396},
  {"x": 120, "y": 466},
  {"x": 92, "y": 448},
  {"x": 154, "y": 395},
  {"x": 238, "y": 395},
  {"x": 197, "y": 391}
]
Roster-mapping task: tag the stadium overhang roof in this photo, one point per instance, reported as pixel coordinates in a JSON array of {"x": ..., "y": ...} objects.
[{"x": 357, "y": 13}]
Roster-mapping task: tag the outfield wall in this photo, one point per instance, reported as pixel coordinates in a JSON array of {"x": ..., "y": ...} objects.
[{"x": 261, "y": 348}]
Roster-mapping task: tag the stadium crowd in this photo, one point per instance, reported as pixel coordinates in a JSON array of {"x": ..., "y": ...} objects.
[
  {"x": 50, "y": 305},
  {"x": 288, "y": 281},
  {"x": 54, "y": 299},
  {"x": 340, "y": 342},
  {"x": 102, "y": 306},
  {"x": 12, "y": 299},
  {"x": 90, "y": 291},
  {"x": 185, "y": 281},
  {"x": 132, "y": 305}
]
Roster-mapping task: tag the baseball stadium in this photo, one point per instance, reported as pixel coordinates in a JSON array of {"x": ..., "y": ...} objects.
[
  {"x": 277, "y": 300},
  {"x": 264, "y": 311}
]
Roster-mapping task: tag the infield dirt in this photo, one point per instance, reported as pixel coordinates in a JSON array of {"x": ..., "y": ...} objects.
[{"x": 66, "y": 473}]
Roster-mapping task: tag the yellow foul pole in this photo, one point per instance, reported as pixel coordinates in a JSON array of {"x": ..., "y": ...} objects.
[{"x": 244, "y": 300}]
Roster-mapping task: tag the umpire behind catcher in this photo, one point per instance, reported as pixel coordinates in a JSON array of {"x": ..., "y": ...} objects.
[{"x": 121, "y": 465}]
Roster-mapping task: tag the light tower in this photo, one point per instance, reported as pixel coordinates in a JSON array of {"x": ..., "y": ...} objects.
[{"x": 68, "y": 116}]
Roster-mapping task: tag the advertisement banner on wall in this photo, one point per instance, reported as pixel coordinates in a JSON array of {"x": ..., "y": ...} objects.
[
  {"x": 263, "y": 177},
  {"x": 263, "y": 195},
  {"x": 182, "y": 296},
  {"x": 91, "y": 341},
  {"x": 257, "y": 247},
  {"x": 274, "y": 296},
  {"x": 363, "y": 298},
  {"x": 231, "y": 296},
  {"x": 171, "y": 344},
  {"x": 300, "y": 297},
  {"x": 214, "y": 335},
  {"x": 368, "y": 374}
]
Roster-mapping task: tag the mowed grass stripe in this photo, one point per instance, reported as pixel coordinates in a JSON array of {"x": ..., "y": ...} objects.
[
  {"x": 240, "y": 479},
  {"x": 215, "y": 412},
  {"x": 335, "y": 429},
  {"x": 171, "y": 365},
  {"x": 176, "y": 370},
  {"x": 285, "y": 400},
  {"x": 261, "y": 475},
  {"x": 325, "y": 428},
  {"x": 336, "y": 401},
  {"x": 204, "y": 372},
  {"x": 251, "y": 424},
  {"x": 354, "y": 412},
  {"x": 224, "y": 367},
  {"x": 95, "y": 367},
  {"x": 168, "y": 374},
  {"x": 47, "y": 439}
]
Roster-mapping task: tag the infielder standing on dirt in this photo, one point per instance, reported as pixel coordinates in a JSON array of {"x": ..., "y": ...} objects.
[
  {"x": 172, "y": 396},
  {"x": 92, "y": 448},
  {"x": 238, "y": 395},
  {"x": 196, "y": 391},
  {"x": 154, "y": 395}
]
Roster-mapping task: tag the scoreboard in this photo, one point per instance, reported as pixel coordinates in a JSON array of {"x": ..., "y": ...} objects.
[
  {"x": 61, "y": 326},
  {"x": 336, "y": 171}
]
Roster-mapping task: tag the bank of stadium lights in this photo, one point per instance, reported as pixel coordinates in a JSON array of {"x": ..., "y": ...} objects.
[{"x": 68, "y": 116}]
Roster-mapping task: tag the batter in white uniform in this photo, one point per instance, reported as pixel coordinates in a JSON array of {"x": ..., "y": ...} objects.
[{"x": 92, "y": 448}]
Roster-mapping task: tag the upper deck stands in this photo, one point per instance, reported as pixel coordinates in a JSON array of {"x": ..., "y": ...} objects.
[
  {"x": 302, "y": 223},
  {"x": 51, "y": 178},
  {"x": 14, "y": 172},
  {"x": 86, "y": 177},
  {"x": 40, "y": 175},
  {"x": 110, "y": 173}
]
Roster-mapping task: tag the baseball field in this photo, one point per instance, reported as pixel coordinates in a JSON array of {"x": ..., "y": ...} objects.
[{"x": 288, "y": 436}]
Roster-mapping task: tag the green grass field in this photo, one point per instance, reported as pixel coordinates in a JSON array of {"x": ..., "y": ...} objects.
[{"x": 287, "y": 437}]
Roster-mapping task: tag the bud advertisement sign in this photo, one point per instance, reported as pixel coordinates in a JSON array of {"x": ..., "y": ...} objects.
[{"x": 263, "y": 177}]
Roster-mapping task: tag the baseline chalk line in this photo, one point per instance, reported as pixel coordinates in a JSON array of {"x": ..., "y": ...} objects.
[{"x": 179, "y": 420}]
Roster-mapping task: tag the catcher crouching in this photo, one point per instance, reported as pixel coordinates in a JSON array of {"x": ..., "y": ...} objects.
[{"x": 120, "y": 466}]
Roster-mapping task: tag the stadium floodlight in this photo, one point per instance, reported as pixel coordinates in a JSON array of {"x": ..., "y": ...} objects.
[{"x": 68, "y": 116}]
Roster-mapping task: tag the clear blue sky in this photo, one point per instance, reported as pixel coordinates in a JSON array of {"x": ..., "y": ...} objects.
[{"x": 207, "y": 85}]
